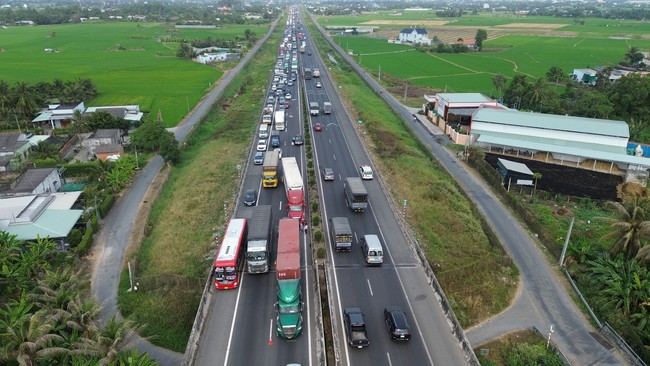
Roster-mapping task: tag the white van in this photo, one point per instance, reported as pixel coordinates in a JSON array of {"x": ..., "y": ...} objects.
[
  {"x": 372, "y": 250},
  {"x": 264, "y": 131}
]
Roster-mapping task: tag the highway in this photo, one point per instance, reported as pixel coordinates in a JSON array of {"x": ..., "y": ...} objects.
[{"x": 400, "y": 280}]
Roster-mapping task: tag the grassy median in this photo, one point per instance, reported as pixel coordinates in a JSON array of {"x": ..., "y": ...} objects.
[{"x": 173, "y": 261}]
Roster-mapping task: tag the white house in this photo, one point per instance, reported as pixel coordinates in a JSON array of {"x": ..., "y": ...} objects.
[
  {"x": 57, "y": 115},
  {"x": 414, "y": 35}
]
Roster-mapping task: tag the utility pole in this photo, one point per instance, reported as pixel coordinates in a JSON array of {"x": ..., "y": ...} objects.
[
  {"x": 406, "y": 90},
  {"x": 379, "y": 74}
]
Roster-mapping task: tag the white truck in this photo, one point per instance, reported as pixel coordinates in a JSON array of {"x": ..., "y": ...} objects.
[
  {"x": 258, "y": 245},
  {"x": 279, "y": 121},
  {"x": 314, "y": 108},
  {"x": 327, "y": 107}
]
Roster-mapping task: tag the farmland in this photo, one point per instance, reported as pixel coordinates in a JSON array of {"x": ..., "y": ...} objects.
[
  {"x": 472, "y": 72},
  {"x": 125, "y": 60}
]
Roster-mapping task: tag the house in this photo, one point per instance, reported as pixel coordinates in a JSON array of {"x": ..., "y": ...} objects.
[
  {"x": 31, "y": 217},
  {"x": 216, "y": 57},
  {"x": 32, "y": 181},
  {"x": 108, "y": 152},
  {"x": 130, "y": 113},
  {"x": 587, "y": 76},
  {"x": 453, "y": 111},
  {"x": 513, "y": 172},
  {"x": 57, "y": 115},
  {"x": 103, "y": 137},
  {"x": 14, "y": 146},
  {"x": 583, "y": 143},
  {"x": 415, "y": 36},
  {"x": 470, "y": 43}
]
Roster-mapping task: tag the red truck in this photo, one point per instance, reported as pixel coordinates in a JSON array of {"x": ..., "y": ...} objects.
[{"x": 293, "y": 187}]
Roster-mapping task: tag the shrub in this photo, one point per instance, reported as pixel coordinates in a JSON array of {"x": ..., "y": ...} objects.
[
  {"x": 86, "y": 241},
  {"x": 78, "y": 169},
  {"x": 106, "y": 205},
  {"x": 318, "y": 236},
  {"x": 314, "y": 206},
  {"x": 310, "y": 163},
  {"x": 44, "y": 163},
  {"x": 75, "y": 238},
  {"x": 315, "y": 220},
  {"x": 94, "y": 223}
]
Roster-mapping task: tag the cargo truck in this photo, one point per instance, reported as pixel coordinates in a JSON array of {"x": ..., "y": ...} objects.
[
  {"x": 279, "y": 120},
  {"x": 289, "y": 306},
  {"x": 294, "y": 188},
  {"x": 259, "y": 240},
  {"x": 314, "y": 108},
  {"x": 327, "y": 107},
  {"x": 341, "y": 233},
  {"x": 356, "y": 195},
  {"x": 270, "y": 173},
  {"x": 302, "y": 48}
]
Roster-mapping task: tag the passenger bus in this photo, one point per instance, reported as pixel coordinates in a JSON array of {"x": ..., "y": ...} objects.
[
  {"x": 307, "y": 73},
  {"x": 230, "y": 257}
]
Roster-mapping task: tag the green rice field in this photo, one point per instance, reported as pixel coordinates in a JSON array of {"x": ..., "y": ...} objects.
[
  {"x": 125, "y": 60},
  {"x": 509, "y": 55}
]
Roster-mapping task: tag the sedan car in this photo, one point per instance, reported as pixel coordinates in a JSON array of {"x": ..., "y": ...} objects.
[
  {"x": 259, "y": 158},
  {"x": 288, "y": 96},
  {"x": 290, "y": 83},
  {"x": 298, "y": 140},
  {"x": 396, "y": 323},
  {"x": 318, "y": 84},
  {"x": 328, "y": 174},
  {"x": 261, "y": 145},
  {"x": 365, "y": 171},
  {"x": 318, "y": 127},
  {"x": 250, "y": 197}
]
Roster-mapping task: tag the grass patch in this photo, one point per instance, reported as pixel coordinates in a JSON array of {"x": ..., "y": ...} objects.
[
  {"x": 126, "y": 69},
  {"x": 498, "y": 350},
  {"x": 174, "y": 259},
  {"x": 478, "y": 279}
]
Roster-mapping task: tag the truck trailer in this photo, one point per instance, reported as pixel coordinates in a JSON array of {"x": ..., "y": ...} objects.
[
  {"x": 259, "y": 240},
  {"x": 289, "y": 305},
  {"x": 270, "y": 173},
  {"x": 341, "y": 233},
  {"x": 314, "y": 108},
  {"x": 294, "y": 188},
  {"x": 356, "y": 195}
]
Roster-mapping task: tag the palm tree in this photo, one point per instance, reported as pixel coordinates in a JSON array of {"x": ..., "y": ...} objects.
[
  {"x": 537, "y": 93},
  {"x": 29, "y": 339},
  {"x": 623, "y": 284},
  {"x": 9, "y": 248},
  {"x": 24, "y": 99},
  {"x": 5, "y": 98},
  {"x": 630, "y": 229},
  {"x": 79, "y": 124},
  {"x": 537, "y": 177},
  {"x": 109, "y": 342},
  {"x": 56, "y": 290}
]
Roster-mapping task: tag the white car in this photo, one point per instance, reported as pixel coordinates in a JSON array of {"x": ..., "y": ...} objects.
[
  {"x": 279, "y": 152},
  {"x": 261, "y": 145},
  {"x": 288, "y": 96},
  {"x": 365, "y": 171}
]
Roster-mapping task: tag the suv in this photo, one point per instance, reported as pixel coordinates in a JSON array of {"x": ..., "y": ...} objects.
[
  {"x": 398, "y": 326},
  {"x": 298, "y": 140}
]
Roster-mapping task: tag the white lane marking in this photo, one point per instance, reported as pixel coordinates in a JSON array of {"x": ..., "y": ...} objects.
[
  {"x": 280, "y": 208},
  {"x": 234, "y": 319},
  {"x": 271, "y": 331},
  {"x": 369, "y": 287},
  {"x": 334, "y": 156},
  {"x": 356, "y": 239},
  {"x": 388, "y": 357}
]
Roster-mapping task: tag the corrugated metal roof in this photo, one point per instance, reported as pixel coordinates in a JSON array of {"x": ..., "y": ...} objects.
[
  {"x": 465, "y": 97},
  {"x": 51, "y": 223},
  {"x": 515, "y": 166},
  {"x": 564, "y": 149},
  {"x": 43, "y": 117},
  {"x": 589, "y": 126}
]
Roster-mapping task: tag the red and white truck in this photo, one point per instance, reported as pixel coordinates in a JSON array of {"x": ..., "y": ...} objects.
[{"x": 294, "y": 188}]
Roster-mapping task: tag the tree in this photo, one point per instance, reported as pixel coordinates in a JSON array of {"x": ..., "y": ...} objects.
[
  {"x": 630, "y": 229},
  {"x": 149, "y": 135},
  {"x": 631, "y": 96},
  {"x": 29, "y": 339},
  {"x": 590, "y": 104},
  {"x": 79, "y": 124},
  {"x": 499, "y": 82},
  {"x": 24, "y": 99},
  {"x": 556, "y": 74},
  {"x": 633, "y": 56},
  {"x": 169, "y": 149},
  {"x": 185, "y": 50},
  {"x": 537, "y": 94},
  {"x": 5, "y": 99},
  {"x": 537, "y": 177},
  {"x": 481, "y": 35},
  {"x": 109, "y": 342},
  {"x": 516, "y": 90},
  {"x": 104, "y": 120}
]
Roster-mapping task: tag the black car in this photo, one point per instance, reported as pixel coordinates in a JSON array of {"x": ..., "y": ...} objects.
[
  {"x": 250, "y": 197},
  {"x": 298, "y": 140},
  {"x": 275, "y": 141},
  {"x": 398, "y": 326}
]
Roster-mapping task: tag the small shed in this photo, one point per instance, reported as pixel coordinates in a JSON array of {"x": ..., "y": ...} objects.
[{"x": 515, "y": 173}]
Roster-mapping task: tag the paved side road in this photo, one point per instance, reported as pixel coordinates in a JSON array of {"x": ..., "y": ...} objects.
[
  {"x": 542, "y": 299},
  {"x": 115, "y": 232}
]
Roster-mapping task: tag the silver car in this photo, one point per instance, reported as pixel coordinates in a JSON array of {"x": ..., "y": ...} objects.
[{"x": 328, "y": 174}]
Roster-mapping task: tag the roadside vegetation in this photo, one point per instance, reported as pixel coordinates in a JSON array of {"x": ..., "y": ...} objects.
[
  {"x": 478, "y": 277},
  {"x": 172, "y": 262},
  {"x": 522, "y": 348}
]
